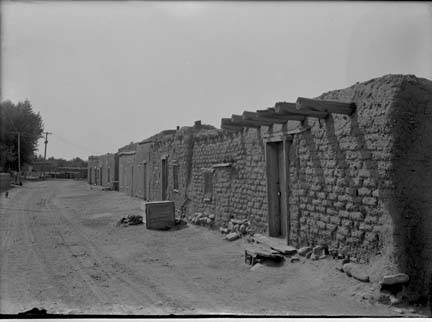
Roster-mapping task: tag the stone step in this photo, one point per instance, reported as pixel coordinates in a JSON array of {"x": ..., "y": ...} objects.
[{"x": 276, "y": 244}]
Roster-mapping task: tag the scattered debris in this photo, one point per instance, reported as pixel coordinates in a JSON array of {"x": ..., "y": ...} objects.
[
  {"x": 232, "y": 236},
  {"x": 294, "y": 259},
  {"x": 223, "y": 230},
  {"x": 256, "y": 267},
  {"x": 131, "y": 220},
  {"x": 399, "y": 278},
  {"x": 202, "y": 219},
  {"x": 304, "y": 251},
  {"x": 399, "y": 310},
  {"x": 394, "y": 300},
  {"x": 353, "y": 270}
]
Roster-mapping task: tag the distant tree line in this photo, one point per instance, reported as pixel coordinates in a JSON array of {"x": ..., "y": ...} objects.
[
  {"x": 60, "y": 163},
  {"x": 20, "y": 118}
]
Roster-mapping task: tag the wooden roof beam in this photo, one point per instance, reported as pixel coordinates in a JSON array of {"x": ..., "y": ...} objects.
[
  {"x": 267, "y": 110},
  {"x": 227, "y": 124},
  {"x": 280, "y": 118},
  {"x": 325, "y": 106},
  {"x": 284, "y": 108},
  {"x": 238, "y": 119},
  {"x": 252, "y": 116}
]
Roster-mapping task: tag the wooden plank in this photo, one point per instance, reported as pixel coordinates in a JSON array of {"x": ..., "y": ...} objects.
[
  {"x": 283, "y": 198},
  {"x": 325, "y": 106},
  {"x": 280, "y": 118},
  {"x": 284, "y": 108},
  {"x": 276, "y": 244},
  {"x": 286, "y": 176},
  {"x": 253, "y": 116}
]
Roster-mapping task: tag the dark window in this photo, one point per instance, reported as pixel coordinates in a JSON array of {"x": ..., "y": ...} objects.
[
  {"x": 175, "y": 177},
  {"x": 208, "y": 183}
]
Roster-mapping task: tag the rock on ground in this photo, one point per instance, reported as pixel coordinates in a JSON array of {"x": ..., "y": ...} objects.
[
  {"x": 395, "y": 279},
  {"x": 353, "y": 270}
]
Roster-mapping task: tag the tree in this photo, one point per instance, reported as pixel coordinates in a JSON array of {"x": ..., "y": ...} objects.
[{"x": 21, "y": 118}]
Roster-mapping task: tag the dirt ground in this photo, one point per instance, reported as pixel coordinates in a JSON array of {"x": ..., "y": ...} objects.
[{"x": 61, "y": 250}]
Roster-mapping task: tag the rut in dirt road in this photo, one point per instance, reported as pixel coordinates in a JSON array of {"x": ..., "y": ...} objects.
[{"x": 47, "y": 257}]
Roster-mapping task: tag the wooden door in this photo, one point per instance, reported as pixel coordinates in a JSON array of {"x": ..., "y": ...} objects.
[
  {"x": 277, "y": 189},
  {"x": 164, "y": 179}
]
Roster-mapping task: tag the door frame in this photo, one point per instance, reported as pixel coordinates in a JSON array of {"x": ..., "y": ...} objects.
[
  {"x": 144, "y": 167},
  {"x": 285, "y": 140},
  {"x": 164, "y": 177}
]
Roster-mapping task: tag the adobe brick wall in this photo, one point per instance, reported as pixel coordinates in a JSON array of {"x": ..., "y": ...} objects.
[
  {"x": 361, "y": 183},
  {"x": 239, "y": 191}
]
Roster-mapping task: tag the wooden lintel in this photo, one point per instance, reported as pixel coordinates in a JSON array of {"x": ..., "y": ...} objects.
[
  {"x": 325, "y": 106},
  {"x": 284, "y": 108},
  {"x": 252, "y": 116}
]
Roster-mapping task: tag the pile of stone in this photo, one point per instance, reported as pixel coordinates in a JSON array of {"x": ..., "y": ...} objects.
[
  {"x": 240, "y": 226},
  {"x": 393, "y": 288},
  {"x": 314, "y": 253},
  {"x": 202, "y": 219},
  {"x": 131, "y": 220}
]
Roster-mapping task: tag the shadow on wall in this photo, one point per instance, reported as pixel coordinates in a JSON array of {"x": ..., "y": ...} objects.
[
  {"x": 346, "y": 170},
  {"x": 412, "y": 177}
]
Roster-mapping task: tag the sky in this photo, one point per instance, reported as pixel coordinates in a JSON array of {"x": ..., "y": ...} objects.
[{"x": 103, "y": 74}]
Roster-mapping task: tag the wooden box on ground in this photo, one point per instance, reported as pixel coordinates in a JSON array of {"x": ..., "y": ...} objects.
[{"x": 159, "y": 214}]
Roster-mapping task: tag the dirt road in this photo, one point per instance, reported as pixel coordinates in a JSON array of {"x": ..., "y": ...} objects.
[{"x": 61, "y": 250}]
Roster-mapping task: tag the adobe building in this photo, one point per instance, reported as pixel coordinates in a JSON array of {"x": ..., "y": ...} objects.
[
  {"x": 103, "y": 170},
  {"x": 350, "y": 169}
]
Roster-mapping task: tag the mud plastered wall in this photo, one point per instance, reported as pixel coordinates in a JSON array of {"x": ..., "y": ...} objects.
[
  {"x": 339, "y": 173},
  {"x": 238, "y": 190},
  {"x": 411, "y": 197},
  {"x": 176, "y": 149},
  {"x": 126, "y": 172},
  {"x": 362, "y": 183}
]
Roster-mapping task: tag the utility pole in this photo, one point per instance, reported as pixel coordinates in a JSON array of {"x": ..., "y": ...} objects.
[
  {"x": 46, "y": 142},
  {"x": 19, "y": 158}
]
